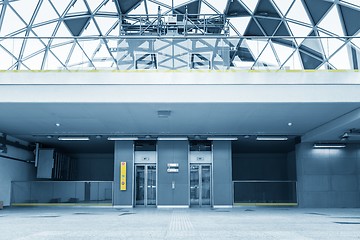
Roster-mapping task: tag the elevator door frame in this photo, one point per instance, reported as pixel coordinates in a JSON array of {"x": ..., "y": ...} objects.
[
  {"x": 200, "y": 204},
  {"x": 146, "y": 166}
]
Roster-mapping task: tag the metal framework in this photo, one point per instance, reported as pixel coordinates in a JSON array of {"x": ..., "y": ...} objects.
[{"x": 194, "y": 34}]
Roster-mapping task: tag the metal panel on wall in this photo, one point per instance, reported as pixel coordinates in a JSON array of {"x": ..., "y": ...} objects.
[
  {"x": 124, "y": 152},
  {"x": 222, "y": 177},
  {"x": 45, "y": 163},
  {"x": 173, "y": 186}
]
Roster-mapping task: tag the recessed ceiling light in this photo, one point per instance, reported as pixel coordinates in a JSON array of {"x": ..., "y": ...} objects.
[
  {"x": 222, "y": 138},
  {"x": 290, "y": 124},
  {"x": 164, "y": 113},
  {"x": 329, "y": 145},
  {"x": 268, "y": 138},
  {"x": 49, "y": 136},
  {"x": 172, "y": 138},
  {"x": 74, "y": 138},
  {"x": 122, "y": 138},
  {"x": 57, "y": 124}
]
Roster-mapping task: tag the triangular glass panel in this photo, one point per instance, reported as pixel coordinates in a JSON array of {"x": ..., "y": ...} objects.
[
  {"x": 251, "y": 4},
  {"x": 109, "y": 6},
  {"x": 294, "y": 62},
  {"x": 283, "y": 31},
  {"x": 128, "y": 6},
  {"x": 32, "y": 45},
  {"x": 218, "y": 5},
  {"x": 355, "y": 57},
  {"x": 356, "y": 41},
  {"x": 153, "y": 8},
  {"x": 62, "y": 52},
  {"x": 45, "y": 13},
  {"x": 21, "y": 66},
  {"x": 266, "y": 8},
  {"x": 351, "y": 18},
  {"x": 24, "y": 8},
  {"x": 35, "y": 62},
  {"x": 60, "y": 6},
  {"x": 310, "y": 62},
  {"x": 299, "y": 31},
  {"x": 235, "y": 9},
  {"x": 298, "y": 13},
  {"x": 11, "y": 23},
  {"x": 354, "y": 2},
  {"x": 253, "y": 29},
  {"x": 331, "y": 22},
  {"x": 102, "y": 52},
  {"x": 139, "y": 10},
  {"x": 317, "y": 9},
  {"x": 114, "y": 31},
  {"x": 341, "y": 59},
  {"x": 90, "y": 47},
  {"x": 268, "y": 58},
  {"x": 78, "y": 7},
  {"x": 240, "y": 24},
  {"x": 283, "y": 52},
  {"x": 312, "y": 45},
  {"x": 94, "y": 4},
  {"x": 45, "y": 30},
  {"x": 283, "y": 5},
  {"x": 14, "y": 45},
  {"x": 256, "y": 46},
  {"x": 205, "y": 9},
  {"x": 52, "y": 63},
  {"x": 62, "y": 35},
  {"x": 77, "y": 24},
  {"x": 6, "y": 59},
  {"x": 268, "y": 25},
  {"x": 77, "y": 57},
  {"x": 105, "y": 24},
  {"x": 192, "y": 8},
  {"x": 91, "y": 29},
  {"x": 330, "y": 44}
]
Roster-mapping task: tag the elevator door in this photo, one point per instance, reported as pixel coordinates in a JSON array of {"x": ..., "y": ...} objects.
[
  {"x": 145, "y": 182},
  {"x": 200, "y": 185}
]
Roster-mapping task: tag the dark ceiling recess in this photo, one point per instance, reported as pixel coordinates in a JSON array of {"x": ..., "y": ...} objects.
[
  {"x": 253, "y": 29},
  {"x": 317, "y": 9},
  {"x": 127, "y": 5},
  {"x": 235, "y": 9},
  {"x": 351, "y": 20},
  {"x": 77, "y": 24}
]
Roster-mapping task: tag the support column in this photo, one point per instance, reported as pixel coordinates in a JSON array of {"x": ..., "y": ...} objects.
[
  {"x": 124, "y": 152},
  {"x": 222, "y": 174}
]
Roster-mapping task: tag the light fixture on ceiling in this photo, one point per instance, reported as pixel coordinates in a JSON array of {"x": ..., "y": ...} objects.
[
  {"x": 271, "y": 138},
  {"x": 222, "y": 138},
  {"x": 57, "y": 124},
  {"x": 73, "y": 138},
  {"x": 329, "y": 145},
  {"x": 290, "y": 124},
  {"x": 122, "y": 138},
  {"x": 172, "y": 138}
]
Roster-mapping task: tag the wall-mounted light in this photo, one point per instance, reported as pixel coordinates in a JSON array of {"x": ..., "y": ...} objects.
[
  {"x": 122, "y": 138},
  {"x": 73, "y": 138},
  {"x": 273, "y": 138},
  {"x": 329, "y": 145},
  {"x": 222, "y": 138}
]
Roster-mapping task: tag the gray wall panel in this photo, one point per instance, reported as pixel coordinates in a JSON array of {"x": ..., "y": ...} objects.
[
  {"x": 173, "y": 152},
  {"x": 338, "y": 166},
  {"x": 124, "y": 152},
  {"x": 222, "y": 173}
]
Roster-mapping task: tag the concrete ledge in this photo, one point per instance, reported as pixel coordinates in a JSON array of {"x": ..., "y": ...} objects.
[
  {"x": 222, "y": 206},
  {"x": 123, "y": 206}
]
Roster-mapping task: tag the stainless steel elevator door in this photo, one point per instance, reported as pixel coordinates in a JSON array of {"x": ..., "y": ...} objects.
[
  {"x": 145, "y": 185},
  {"x": 200, "y": 185}
]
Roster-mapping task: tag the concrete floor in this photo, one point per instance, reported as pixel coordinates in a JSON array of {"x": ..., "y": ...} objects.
[{"x": 238, "y": 223}]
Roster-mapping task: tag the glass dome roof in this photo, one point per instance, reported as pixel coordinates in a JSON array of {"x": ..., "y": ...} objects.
[{"x": 263, "y": 34}]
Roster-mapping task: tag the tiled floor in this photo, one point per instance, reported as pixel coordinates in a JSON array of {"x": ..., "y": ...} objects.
[{"x": 259, "y": 223}]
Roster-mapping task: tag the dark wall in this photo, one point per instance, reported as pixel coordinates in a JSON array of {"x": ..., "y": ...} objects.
[
  {"x": 173, "y": 152},
  {"x": 93, "y": 167},
  {"x": 263, "y": 166}
]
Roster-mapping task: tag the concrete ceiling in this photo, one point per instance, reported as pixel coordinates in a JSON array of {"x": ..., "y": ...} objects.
[{"x": 35, "y": 121}]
